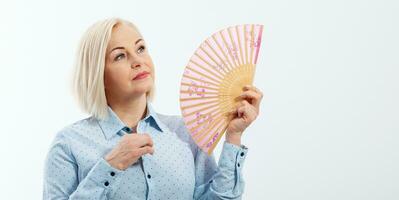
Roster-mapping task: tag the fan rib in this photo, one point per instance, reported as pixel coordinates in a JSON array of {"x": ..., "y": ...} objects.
[
  {"x": 198, "y": 104},
  {"x": 252, "y": 45},
  {"x": 229, "y": 50},
  {"x": 234, "y": 46},
  {"x": 201, "y": 86},
  {"x": 217, "y": 140},
  {"x": 188, "y": 92},
  {"x": 221, "y": 50},
  {"x": 210, "y": 65},
  {"x": 258, "y": 42},
  {"x": 219, "y": 113},
  {"x": 202, "y": 109},
  {"x": 200, "y": 133},
  {"x": 213, "y": 59},
  {"x": 197, "y": 79},
  {"x": 216, "y": 53},
  {"x": 194, "y": 98},
  {"x": 219, "y": 128},
  {"x": 246, "y": 43},
  {"x": 222, "y": 106},
  {"x": 204, "y": 75},
  {"x": 247, "y": 38},
  {"x": 204, "y": 68},
  {"x": 228, "y": 80},
  {"x": 209, "y": 113},
  {"x": 240, "y": 45}
]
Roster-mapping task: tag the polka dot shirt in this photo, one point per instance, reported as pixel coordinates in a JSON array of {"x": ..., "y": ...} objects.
[{"x": 75, "y": 167}]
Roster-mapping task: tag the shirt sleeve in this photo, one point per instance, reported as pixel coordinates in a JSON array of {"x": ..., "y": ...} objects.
[
  {"x": 222, "y": 181},
  {"x": 61, "y": 175}
]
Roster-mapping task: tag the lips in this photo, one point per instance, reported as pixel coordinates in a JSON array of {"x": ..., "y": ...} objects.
[{"x": 141, "y": 75}]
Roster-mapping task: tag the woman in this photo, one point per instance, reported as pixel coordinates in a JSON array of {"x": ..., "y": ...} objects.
[{"x": 126, "y": 150}]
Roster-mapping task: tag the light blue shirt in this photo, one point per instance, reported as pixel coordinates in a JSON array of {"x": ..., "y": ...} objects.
[{"x": 178, "y": 169}]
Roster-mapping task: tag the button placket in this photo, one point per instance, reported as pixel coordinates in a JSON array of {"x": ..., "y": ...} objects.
[{"x": 142, "y": 160}]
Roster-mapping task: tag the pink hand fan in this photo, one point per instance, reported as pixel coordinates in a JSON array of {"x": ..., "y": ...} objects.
[{"x": 215, "y": 75}]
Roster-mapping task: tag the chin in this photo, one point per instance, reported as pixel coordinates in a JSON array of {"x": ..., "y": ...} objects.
[
  {"x": 142, "y": 89},
  {"x": 143, "y": 86}
]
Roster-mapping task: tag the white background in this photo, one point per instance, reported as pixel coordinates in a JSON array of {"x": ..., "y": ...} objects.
[{"x": 329, "y": 70}]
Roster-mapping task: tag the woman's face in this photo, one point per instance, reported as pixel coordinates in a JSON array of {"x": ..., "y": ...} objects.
[{"x": 128, "y": 66}]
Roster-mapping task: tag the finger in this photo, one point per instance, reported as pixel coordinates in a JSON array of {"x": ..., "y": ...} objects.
[
  {"x": 240, "y": 111},
  {"x": 253, "y": 88},
  {"x": 147, "y": 149},
  {"x": 234, "y": 110},
  {"x": 142, "y": 151},
  {"x": 247, "y": 111},
  {"x": 240, "y": 103},
  {"x": 254, "y": 97},
  {"x": 250, "y": 87},
  {"x": 144, "y": 140}
]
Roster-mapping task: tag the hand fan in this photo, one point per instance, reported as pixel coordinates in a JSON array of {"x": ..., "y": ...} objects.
[{"x": 213, "y": 79}]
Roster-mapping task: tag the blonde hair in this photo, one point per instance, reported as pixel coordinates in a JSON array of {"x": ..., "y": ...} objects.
[{"x": 88, "y": 83}]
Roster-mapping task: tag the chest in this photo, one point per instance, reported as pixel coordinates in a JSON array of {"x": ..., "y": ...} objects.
[{"x": 167, "y": 174}]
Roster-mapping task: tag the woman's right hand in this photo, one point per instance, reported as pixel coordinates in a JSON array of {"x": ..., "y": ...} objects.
[{"x": 129, "y": 149}]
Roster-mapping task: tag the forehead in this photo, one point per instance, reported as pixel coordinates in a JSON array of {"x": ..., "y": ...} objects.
[{"x": 123, "y": 34}]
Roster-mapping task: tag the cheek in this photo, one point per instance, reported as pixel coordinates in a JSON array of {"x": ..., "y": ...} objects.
[
  {"x": 116, "y": 75},
  {"x": 148, "y": 61},
  {"x": 150, "y": 65}
]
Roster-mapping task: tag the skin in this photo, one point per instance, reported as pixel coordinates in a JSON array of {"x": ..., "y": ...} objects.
[{"x": 127, "y": 56}]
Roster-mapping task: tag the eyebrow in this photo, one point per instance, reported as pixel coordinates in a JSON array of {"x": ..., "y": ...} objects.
[{"x": 123, "y": 47}]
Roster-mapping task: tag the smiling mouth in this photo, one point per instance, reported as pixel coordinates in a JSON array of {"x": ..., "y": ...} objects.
[{"x": 141, "y": 75}]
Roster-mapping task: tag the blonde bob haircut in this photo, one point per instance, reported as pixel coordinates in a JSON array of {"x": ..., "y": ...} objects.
[{"x": 88, "y": 78}]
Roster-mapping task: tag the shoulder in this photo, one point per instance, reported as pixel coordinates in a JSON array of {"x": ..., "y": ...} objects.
[
  {"x": 78, "y": 129},
  {"x": 173, "y": 122},
  {"x": 71, "y": 136}
]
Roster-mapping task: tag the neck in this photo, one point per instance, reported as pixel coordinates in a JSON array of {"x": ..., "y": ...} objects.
[{"x": 130, "y": 111}]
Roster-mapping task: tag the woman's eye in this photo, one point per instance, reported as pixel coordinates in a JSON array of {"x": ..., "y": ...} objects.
[
  {"x": 119, "y": 57},
  {"x": 141, "y": 49}
]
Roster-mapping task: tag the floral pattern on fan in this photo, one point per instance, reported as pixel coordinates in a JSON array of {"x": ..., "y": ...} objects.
[{"x": 214, "y": 78}]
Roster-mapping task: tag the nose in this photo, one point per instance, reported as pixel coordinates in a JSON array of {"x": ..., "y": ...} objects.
[
  {"x": 137, "y": 62},
  {"x": 135, "y": 66}
]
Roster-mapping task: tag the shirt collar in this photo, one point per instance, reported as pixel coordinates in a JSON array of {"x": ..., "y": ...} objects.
[{"x": 112, "y": 124}]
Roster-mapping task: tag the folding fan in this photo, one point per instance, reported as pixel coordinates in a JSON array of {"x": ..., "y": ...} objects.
[{"x": 213, "y": 79}]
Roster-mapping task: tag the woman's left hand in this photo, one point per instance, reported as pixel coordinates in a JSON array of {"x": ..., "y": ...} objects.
[{"x": 245, "y": 113}]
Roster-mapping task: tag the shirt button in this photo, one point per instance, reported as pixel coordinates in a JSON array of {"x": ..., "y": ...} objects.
[
  {"x": 112, "y": 173},
  {"x": 148, "y": 176},
  {"x": 127, "y": 129},
  {"x": 238, "y": 164},
  {"x": 106, "y": 183},
  {"x": 242, "y": 154}
]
